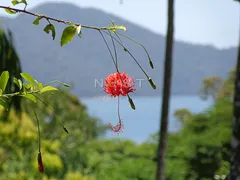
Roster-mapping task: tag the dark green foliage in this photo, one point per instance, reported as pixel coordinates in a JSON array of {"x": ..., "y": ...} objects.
[
  {"x": 10, "y": 62},
  {"x": 60, "y": 151}
]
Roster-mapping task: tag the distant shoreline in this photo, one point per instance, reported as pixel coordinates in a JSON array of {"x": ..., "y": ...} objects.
[{"x": 106, "y": 97}]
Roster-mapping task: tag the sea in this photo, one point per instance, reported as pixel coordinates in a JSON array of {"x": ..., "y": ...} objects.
[{"x": 141, "y": 123}]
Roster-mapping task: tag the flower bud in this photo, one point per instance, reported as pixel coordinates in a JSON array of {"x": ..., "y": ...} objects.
[
  {"x": 152, "y": 83},
  {"x": 40, "y": 163}
]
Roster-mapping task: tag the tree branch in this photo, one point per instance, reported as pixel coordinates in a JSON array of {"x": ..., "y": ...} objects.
[{"x": 51, "y": 18}]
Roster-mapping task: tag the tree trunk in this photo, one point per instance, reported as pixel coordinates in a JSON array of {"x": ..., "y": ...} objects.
[
  {"x": 162, "y": 146},
  {"x": 235, "y": 141}
]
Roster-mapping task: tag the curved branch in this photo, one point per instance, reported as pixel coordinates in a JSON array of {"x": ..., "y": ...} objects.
[{"x": 52, "y": 18}]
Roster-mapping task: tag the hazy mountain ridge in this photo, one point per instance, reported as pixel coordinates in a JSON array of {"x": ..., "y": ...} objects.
[{"x": 85, "y": 61}]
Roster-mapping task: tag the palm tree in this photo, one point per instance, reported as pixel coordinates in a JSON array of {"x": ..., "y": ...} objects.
[
  {"x": 162, "y": 145},
  {"x": 11, "y": 63}
]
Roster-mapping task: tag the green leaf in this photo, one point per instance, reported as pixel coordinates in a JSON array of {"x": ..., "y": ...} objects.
[
  {"x": 39, "y": 85},
  {"x": 24, "y": 2},
  {"x": 48, "y": 88},
  {"x": 120, "y": 27},
  {"x": 9, "y": 11},
  {"x": 36, "y": 21},
  {"x": 67, "y": 35},
  {"x": 116, "y": 27},
  {"x": 4, "y": 80},
  {"x": 18, "y": 82},
  {"x": 29, "y": 96},
  {"x": 1, "y": 92},
  {"x": 4, "y": 104},
  {"x": 15, "y": 2},
  {"x": 50, "y": 27},
  {"x": 28, "y": 77},
  {"x": 27, "y": 86}
]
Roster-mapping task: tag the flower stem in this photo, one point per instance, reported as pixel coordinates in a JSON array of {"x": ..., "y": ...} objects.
[
  {"x": 121, "y": 44},
  {"x": 61, "y": 122},
  {"x": 39, "y": 136}
]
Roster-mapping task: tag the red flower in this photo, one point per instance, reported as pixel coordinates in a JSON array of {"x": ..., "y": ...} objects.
[
  {"x": 119, "y": 84},
  {"x": 40, "y": 163}
]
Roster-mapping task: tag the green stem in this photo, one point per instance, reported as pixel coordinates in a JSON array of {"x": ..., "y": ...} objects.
[
  {"x": 39, "y": 136},
  {"x": 61, "y": 122},
  {"x": 114, "y": 47},
  {"x": 60, "y": 82},
  {"x": 135, "y": 43},
  {"x": 18, "y": 93},
  {"x": 130, "y": 55},
  {"x": 109, "y": 50},
  {"x": 119, "y": 118}
]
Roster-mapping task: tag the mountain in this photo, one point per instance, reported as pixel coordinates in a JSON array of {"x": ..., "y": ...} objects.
[{"x": 86, "y": 61}]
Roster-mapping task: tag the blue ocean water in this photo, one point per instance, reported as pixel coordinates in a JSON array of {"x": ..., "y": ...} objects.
[{"x": 145, "y": 120}]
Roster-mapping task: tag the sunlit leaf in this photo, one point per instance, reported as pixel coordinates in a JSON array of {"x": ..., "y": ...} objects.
[
  {"x": 39, "y": 85},
  {"x": 50, "y": 27},
  {"x": 15, "y": 2},
  {"x": 28, "y": 77},
  {"x": 10, "y": 11},
  {"x": 18, "y": 82},
  {"x": 67, "y": 35},
  {"x": 48, "y": 88},
  {"x": 4, "y": 80},
  {"x": 36, "y": 21},
  {"x": 27, "y": 86},
  {"x": 29, "y": 96},
  {"x": 120, "y": 28},
  {"x": 116, "y": 27}
]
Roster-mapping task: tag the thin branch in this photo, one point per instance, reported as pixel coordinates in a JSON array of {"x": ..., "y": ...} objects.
[
  {"x": 52, "y": 18},
  {"x": 19, "y": 93}
]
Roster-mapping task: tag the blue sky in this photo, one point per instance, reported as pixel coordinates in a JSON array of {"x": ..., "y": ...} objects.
[{"x": 212, "y": 22}]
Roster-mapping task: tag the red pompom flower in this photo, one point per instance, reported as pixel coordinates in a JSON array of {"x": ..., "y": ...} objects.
[{"x": 117, "y": 84}]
